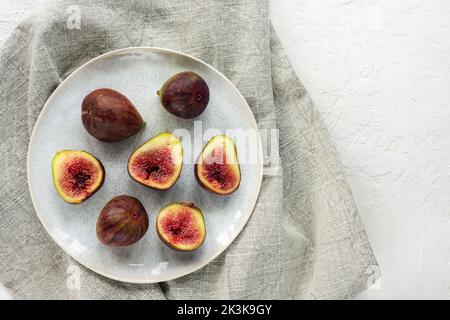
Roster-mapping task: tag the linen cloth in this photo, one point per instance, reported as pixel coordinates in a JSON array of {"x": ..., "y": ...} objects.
[{"x": 304, "y": 239}]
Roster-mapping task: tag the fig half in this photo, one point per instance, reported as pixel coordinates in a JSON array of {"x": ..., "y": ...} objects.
[
  {"x": 181, "y": 226},
  {"x": 157, "y": 163},
  {"x": 77, "y": 175},
  {"x": 109, "y": 116},
  {"x": 122, "y": 222},
  {"x": 185, "y": 95},
  {"x": 217, "y": 168}
]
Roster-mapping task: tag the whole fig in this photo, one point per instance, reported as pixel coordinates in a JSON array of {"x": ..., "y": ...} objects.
[
  {"x": 122, "y": 221},
  {"x": 109, "y": 116},
  {"x": 185, "y": 95}
]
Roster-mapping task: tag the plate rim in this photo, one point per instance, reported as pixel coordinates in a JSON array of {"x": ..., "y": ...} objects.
[{"x": 254, "y": 197}]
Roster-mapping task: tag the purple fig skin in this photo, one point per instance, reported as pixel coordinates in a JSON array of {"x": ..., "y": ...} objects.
[
  {"x": 185, "y": 95},
  {"x": 122, "y": 222},
  {"x": 109, "y": 116}
]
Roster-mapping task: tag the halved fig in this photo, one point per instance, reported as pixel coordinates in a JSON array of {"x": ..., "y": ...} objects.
[
  {"x": 217, "y": 168},
  {"x": 122, "y": 222},
  {"x": 157, "y": 163},
  {"x": 109, "y": 116},
  {"x": 185, "y": 95},
  {"x": 181, "y": 226},
  {"x": 77, "y": 175}
]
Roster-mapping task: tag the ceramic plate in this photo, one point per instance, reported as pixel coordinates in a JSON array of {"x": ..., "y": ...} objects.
[{"x": 138, "y": 73}]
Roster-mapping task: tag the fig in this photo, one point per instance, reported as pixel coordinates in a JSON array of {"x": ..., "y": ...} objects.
[
  {"x": 77, "y": 175},
  {"x": 157, "y": 162},
  {"x": 185, "y": 95},
  {"x": 109, "y": 116},
  {"x": 181, "y": 226},
  {"x": 217, "y": 168},
  {"x": 122, "y": 222}
]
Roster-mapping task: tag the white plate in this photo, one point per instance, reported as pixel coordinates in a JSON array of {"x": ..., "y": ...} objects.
[{"x": 138, "y": 73}]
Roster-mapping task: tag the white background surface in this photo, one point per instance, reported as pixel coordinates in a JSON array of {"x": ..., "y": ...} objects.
[{"x": 379, "y": 73}]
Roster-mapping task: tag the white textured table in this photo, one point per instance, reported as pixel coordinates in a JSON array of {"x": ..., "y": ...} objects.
[{"x": 379, "y": 72}]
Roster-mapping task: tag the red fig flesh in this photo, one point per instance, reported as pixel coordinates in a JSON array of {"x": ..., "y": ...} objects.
[
  {"x": 181, "y": 226},
  {"x": 157, "y": 163},
  {"x": 217, "y": 168},
  {"x": 77, "y": 175}
]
